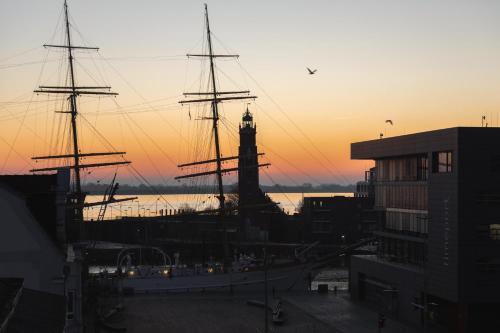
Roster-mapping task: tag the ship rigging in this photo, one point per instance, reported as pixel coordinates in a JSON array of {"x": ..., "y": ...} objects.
[
  {"x": 214, "y": 97},
  {"x": 74, "y": 91}
]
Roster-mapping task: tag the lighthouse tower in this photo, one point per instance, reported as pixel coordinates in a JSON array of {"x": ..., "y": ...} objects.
[{"x": 248, "y": 164}]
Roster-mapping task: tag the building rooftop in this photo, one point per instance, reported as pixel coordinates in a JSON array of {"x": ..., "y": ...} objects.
[
  {"x": 38, "y": 192},
  {"x": 9, "y": 290},
  {"x": 418, "y": 143}
]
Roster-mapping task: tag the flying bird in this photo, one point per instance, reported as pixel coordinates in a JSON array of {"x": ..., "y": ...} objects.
[
  {"x": 388, "y": 121},
  {"x": 311, "y": 72}
]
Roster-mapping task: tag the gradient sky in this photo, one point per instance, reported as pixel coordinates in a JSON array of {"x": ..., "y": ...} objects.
[{"x": 424, "y": 64}]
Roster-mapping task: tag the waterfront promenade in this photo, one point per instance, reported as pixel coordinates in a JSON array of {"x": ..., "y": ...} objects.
[
  {"x": 222, "y": 312},
  {"x": 344, "y": 315}
]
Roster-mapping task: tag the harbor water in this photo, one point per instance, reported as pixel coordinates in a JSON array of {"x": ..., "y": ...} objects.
[{"x": 168, "y": 204}]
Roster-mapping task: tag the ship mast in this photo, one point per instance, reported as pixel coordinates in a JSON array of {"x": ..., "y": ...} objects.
[
  {"x": 214, "y": 97},
  {"x": 74, "y": 111},
  {"x": 215, "y": 116},
  {"x": 73, "y": 91}
]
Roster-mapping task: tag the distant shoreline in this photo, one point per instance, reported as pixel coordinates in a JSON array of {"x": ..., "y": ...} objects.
[{"x": 160, "y": 189}]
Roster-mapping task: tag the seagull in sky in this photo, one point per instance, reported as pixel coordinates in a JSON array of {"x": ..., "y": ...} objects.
[
  {"x": 388, "y": 121},
  {"x": 311, "y": 72}
]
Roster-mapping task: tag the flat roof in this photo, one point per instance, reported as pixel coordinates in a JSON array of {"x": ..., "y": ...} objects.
[{"x": 419, "y": 143}]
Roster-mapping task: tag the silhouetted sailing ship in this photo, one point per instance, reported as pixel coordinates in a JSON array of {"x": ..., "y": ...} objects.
[
  {"x": 76, "y": 199},
  {"x": 243, "y": 273},
  {"x": 214, "y": 97},
  {"x": 166, "y": 276}
]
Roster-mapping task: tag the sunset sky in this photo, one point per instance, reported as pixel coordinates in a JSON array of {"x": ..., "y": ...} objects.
[{"x": 424, "y": 64}]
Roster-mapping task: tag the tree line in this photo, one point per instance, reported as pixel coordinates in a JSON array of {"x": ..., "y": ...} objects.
[{"x": 96, "y": 188}]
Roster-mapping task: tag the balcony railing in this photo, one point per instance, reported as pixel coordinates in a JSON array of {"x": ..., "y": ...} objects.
[{"x": 407, "y": 221}]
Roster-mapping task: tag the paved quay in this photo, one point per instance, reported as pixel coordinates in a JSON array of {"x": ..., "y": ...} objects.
[
  {"x": 344, "y": 315},
  {"x": 206, "y": 312},
  {"x": 223, "y": 312}
]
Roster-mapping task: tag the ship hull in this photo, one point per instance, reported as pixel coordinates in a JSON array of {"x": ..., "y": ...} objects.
[{"x": 280, "y": 279}]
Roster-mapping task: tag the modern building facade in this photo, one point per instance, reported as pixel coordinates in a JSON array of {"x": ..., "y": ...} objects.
[{"x": 438, "y": 257}]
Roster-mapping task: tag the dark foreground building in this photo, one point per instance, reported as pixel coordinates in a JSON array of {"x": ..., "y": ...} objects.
[
  {"x": 40, "y": 276},
  {"x": 337, "y": 220},
  {"x": 438, "y": 259}
]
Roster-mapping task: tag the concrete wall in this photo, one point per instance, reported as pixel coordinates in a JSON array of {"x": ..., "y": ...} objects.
[
  {"x": 407, "y": 282},
  {"x": 479, "y": 206},
  {"x": 442, "y": 241}
]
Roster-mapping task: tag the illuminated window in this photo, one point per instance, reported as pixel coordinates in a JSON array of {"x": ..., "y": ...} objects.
[{"x": 495, "y": 231}]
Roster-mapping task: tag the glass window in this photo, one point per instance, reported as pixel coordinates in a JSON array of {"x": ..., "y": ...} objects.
[
  {"x": 495, "y": 231},
  {"x": 442, "y": 161},
  {"x": 423, "y": 168}
]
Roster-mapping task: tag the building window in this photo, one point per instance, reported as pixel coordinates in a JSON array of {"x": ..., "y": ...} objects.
[
  {"x": 442, "y": 162},
  {"x": 495, "y": 231},
  {"x": 422, "y": 168}
]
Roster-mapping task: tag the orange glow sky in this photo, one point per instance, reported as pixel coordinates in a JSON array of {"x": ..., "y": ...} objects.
[{"x": 423, "y": 64}]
